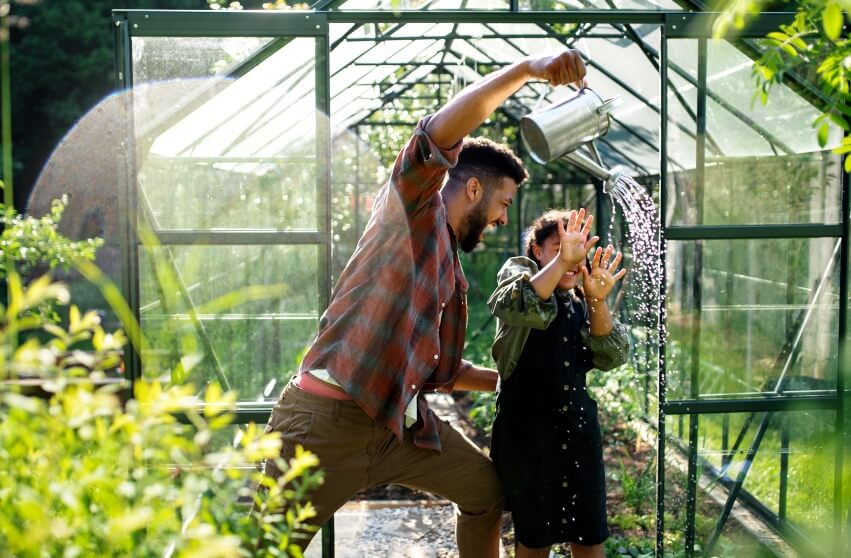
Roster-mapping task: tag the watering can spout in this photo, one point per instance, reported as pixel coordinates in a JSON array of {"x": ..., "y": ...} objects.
[{"x": 609, "y": 177}]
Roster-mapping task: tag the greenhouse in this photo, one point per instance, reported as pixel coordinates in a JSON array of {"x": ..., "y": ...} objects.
[{"x": 246, "y": 148}]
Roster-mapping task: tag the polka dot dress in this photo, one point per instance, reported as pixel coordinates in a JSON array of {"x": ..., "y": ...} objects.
[{"x": 546, "y": 443}]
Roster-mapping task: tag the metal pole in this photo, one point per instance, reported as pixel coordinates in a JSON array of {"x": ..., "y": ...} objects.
[
  {"x": 694, "y": 383},
  {"x": 784, "y": 469},
  {"x": 661, "y": 385},
  {"x": 127, "y": 206},
  {"x": 6, "y": 108},
  {"x": 5, "y": 95},
  {"x": 323, "y": 214},
  {"x": 842, "y": 371}
]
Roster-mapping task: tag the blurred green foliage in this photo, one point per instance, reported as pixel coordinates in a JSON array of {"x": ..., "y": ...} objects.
[
  {"x": 89, "y": 473},
  {"x": 815, "y": 44}
]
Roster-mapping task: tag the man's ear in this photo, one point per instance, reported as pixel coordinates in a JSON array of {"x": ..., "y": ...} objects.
[
  {"x": 537, "y": 251},
  {"x": 473, "y": 190}
]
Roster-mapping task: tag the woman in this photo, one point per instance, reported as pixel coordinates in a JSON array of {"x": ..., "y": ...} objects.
[{"x": 547, "y": 445}]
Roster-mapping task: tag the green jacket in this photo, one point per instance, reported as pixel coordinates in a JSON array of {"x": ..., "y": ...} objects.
[{"x": 518, "y": 309}]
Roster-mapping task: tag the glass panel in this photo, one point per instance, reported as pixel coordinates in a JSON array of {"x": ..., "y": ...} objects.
[
  {"x": 423, "y": 5},
  {"x": 357, "y": 174},
  {"x": 673, "y": 490},
  {"x": 682, "y": 126},
  {"x": 751, "y": 312},
  {"x": 235, "y": 151},
  {"x": 730, "y": 83},
  {"x": 790, "y": 189},
  {"x": 544, "y": 5},
  {"x": 247, "y": 312},
  {"x": 737, "y": 126},
  {"x": 163, "y": 58},
  {"x": 219, "y": 195},
  {"x": 790, "y": 478},
  {"x": 740, "y": 136},
  {"x": 753, "y": 151}
]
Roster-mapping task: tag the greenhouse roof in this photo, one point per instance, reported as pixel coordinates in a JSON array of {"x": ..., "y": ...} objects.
[{"x": 268, "y": 111}]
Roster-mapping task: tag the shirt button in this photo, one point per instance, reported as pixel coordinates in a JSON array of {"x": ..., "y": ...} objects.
[
  {"x": 564, "y": 484},
  {"x": 564, "y": 339},
  {"x": 564, "y": 520},
  {"x": 566, "y": 387},
  {"x": 435, "y": 357},
  {"x": 566, "y": 364},
  {"x": 443, "y": 305},
  {"x": 564, "y": 446},
  {"x": 413, "y": 386},
  {"x": 564, "y": 408}
]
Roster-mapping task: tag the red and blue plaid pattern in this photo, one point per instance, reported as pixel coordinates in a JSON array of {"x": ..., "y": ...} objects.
[{"x": 382, "y": 337}]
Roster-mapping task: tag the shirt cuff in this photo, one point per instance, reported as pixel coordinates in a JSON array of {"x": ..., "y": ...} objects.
[
  {"x": 430, "y": 152},
  {"x": 611, "y": 350}
]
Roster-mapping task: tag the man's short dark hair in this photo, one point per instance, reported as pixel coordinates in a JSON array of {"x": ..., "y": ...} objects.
[{"x": 488, "y": 161}]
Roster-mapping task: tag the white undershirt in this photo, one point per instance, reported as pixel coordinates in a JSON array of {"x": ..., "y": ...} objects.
[{"x": 410, "y": 411}]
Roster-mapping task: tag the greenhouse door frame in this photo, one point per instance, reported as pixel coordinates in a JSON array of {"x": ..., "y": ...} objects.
[{"x": 160, "y": 23}]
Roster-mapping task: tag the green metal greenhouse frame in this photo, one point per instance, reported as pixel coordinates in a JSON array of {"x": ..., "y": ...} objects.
[{"x": 130, "y": 25}]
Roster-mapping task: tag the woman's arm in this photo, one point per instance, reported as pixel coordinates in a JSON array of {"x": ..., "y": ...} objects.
[{"x": 514, "y": 300}]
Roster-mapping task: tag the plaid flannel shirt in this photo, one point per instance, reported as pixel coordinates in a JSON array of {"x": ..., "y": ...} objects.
[{"x": 395, "y": 325}]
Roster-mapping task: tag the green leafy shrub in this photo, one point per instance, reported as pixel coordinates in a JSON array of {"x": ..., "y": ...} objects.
[
  {"x": 483, "y": 410},
  {"x": 637, "y": 487},
  {"x": 815, "y": 46},
  {"x": 86, "y": 473},
  {"x": 34, "y": 241}
]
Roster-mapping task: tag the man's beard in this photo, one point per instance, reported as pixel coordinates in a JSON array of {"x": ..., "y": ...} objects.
[{"x": 477, "y": 222}]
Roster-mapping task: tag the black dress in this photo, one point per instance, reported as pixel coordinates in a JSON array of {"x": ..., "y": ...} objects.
[{"x": 546, "y": 441}]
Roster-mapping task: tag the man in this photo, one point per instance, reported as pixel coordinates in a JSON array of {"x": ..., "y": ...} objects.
[{"x": 395, "y": 326}]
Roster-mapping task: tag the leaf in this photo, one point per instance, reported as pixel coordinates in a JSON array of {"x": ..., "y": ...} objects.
[
  {"x": 823, "y": 132},
  {"x": 843, "y": 108},
  {"x": 766, "y": 72},
  {"x": 836, "y": 119},
  {"x": 778, "y": 36},
  {"x": 845, "y": 147},
  {"x": 55, "y": 330},
  {"x": 831, "y": 20},
  {"x": 799, "y": 43},
  {"x": 73, "y": 318},
  {"x": 30, "y": 405},
  {"x": 789, "y": 49}
]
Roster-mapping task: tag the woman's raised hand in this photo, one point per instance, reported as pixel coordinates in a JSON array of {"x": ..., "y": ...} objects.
[
  {"x": 598, "y": 283},
  {"x": 573, "y": 237}
]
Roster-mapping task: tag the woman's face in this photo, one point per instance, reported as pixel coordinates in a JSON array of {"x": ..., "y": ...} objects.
[{"x": 547, "y": 251}]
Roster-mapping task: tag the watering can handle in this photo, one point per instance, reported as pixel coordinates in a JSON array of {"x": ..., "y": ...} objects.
[
  {"x": 608, "y": 105},
  {"x": 541, "y": 98}
]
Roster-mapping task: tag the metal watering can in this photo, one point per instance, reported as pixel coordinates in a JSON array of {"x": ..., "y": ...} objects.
[{"x": 561, "y": 128}]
